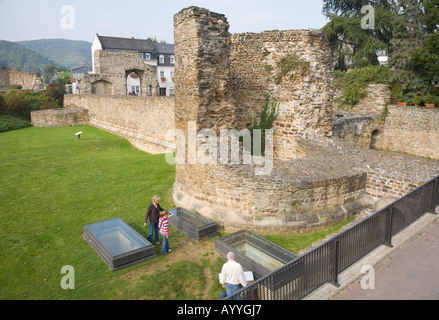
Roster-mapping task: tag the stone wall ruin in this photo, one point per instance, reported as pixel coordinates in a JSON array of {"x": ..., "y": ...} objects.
[
  {"x": 111, "y": 70},
  {"x": 221, "y": 81}
]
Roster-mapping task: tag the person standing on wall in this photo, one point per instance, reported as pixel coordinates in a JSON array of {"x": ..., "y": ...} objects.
[
  {"x": 233, "y": 276},
  {"x": 153, "y": 215}
]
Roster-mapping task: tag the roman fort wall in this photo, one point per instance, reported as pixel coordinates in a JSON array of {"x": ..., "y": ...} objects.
[
  {"x": 323, "y": 166},
  {"x": 414, "y": 130},
  {"x": 15, "y": 77},
  {"x": 144, "y": 121}
]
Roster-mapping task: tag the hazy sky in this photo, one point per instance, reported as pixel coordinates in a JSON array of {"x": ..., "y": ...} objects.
[{"x": 81, "y": 20}]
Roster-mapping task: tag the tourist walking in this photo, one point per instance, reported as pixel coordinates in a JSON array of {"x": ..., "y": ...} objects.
[
  {"x": 233, "y": 278},
  {"x": 164, "y": 231},
  {"x": 153, "y": 215}
]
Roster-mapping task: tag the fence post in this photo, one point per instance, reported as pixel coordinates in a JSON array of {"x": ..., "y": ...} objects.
[
  {"x": 388, "y": 228},
  {"x": 434, "y": 196},
  {"x": 333, "y": 256}
]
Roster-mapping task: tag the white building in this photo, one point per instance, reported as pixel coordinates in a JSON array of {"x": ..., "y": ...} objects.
[{"x": 160, "y": 55}]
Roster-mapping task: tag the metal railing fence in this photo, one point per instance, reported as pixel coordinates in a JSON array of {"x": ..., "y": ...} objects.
[{"x": 308, "y": 272}]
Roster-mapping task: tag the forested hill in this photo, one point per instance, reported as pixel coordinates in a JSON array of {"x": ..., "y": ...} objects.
[
  {"x": 15, "y": 56},
  {"x": 36, "y": 54},
  {"x": 67, "y": 53}
]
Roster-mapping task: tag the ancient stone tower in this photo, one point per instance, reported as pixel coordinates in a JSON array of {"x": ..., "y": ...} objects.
[{"x": 221, "y": 83}]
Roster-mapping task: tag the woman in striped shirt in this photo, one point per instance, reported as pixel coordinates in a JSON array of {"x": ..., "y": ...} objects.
[{"x": 164, "y": 231}]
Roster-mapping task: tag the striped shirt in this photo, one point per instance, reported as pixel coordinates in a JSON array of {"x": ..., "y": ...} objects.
[{"x": 163, "y": 226}]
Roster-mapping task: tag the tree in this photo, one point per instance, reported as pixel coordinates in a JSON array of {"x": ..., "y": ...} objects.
[
  {"x": 63, "y": 78},
  {"x": 56, "y": 91},
  {"x": 408, "y": 35},
  {"x": 425, "y": 58},
  {"x": 405, "y": 29},
  {"x": 353, "y": 44},
  {"x": 50, "y": 71}
]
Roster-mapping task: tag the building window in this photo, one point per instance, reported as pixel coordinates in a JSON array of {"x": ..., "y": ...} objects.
[
  {"x": 162, "y": 73},
  {"x": 172, "y": 59},
  {"x": 147, "y": 56},
  {"x": 172, "y": 75},
  {"x": 161, "y": 59},
  {"x": 149, "y": 90}
]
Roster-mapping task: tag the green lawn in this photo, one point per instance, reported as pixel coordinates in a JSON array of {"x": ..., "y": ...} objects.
[{"x": 53, "y": 184}]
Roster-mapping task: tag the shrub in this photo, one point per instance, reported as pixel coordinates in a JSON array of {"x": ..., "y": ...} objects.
[
  {"x": 3, "y": 107},
  {"x": 417, "y": 100},
  {"x": 268, "y": 116},
  {"x": 56, "y": 92},
  {"x": 21, "y": 103},
  {"x": 18, "y": 103},
  {"x": 354, "y": 82},
  {"x": 431, "y": 99},
  {"x": 9, "y": 122}
]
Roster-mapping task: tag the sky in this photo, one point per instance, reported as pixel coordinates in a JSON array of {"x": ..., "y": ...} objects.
[{"x": 81, "y": 19}]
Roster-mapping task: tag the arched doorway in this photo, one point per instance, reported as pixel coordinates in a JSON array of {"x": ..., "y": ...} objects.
[
  {"x": 102, "y": 87},
  {"x": 375, "y": 139},
  {"x": 133, "y": 84}
]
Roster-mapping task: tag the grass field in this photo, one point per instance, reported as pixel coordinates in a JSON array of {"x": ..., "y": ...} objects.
[{"x": 53, "y": 184}]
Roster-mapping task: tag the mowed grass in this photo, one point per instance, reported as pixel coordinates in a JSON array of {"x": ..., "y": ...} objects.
[{"x": 52, "y": 185}]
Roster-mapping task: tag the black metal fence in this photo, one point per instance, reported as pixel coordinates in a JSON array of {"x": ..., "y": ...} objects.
[{"x": 308, "y": 272}]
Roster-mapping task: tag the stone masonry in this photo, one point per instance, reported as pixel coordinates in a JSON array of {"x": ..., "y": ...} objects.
[
  {"x": 112, "y": 68},
  {"x": 322, "y": 171},
  {"x": 15, "y": 77},
  {"x": 144, "y": 121},
  {"x": 305, "y": 109},
  {"x": 221, "y": 80}
]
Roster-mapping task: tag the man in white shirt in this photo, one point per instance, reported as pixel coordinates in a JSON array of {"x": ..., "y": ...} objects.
[{"x": 233, "y": 276}]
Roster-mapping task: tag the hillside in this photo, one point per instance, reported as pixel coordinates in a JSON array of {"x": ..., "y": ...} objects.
[
  {"x": 15, "y": 56},
  {"x": 67, "y": 53}
]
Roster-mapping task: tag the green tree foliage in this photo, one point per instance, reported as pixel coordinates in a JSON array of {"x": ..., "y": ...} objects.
[
  {"x": 50, "y": 72},
  {"x": 56, "y": 92},
  {"x": 354, "y": 82},
  {"x": 405, "y": 29},
  {"x": 20, "y": 103},
  {"x": 64, "y": 78},
  {"x": 425, "y": 58},
  {"x": 351, "y": 43},
  {"x": 267, "y": 117},
  {"x": 3, "y": 107}
]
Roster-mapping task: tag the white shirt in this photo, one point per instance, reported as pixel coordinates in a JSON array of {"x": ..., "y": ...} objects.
[{"x": 233, "y": 273}]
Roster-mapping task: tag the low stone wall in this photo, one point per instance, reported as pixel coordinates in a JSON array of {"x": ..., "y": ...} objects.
[
  {"x": 235, "y": 198},
  {"x": 60, "y": 117},
  {"x": 144, "y": 121},
  {"x": 354, "y": 128},
  {"x": 384, "y": 186},
  {"x": 413, "y": 130}
]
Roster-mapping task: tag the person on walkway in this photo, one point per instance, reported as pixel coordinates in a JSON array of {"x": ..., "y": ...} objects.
[
  {"x": 164, "y": 231},
  {"x": 153, "y": 215},
  {"x": 233, "y": 278}
]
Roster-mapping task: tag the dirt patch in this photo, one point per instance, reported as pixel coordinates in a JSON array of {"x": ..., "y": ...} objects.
[{"x": 183, "y": 248}]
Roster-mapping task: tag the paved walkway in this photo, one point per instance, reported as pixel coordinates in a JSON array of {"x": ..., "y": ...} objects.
[{"x": 411, "y": 272}]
